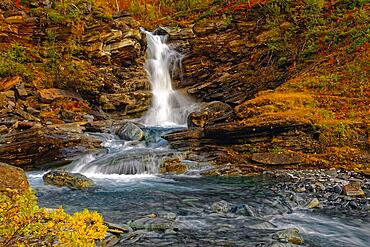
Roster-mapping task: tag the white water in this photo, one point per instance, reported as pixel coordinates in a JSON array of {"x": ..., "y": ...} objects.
[{"x": 169, "y": 107}]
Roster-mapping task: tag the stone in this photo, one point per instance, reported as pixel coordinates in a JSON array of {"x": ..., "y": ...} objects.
[
  {"x": 353, "y": 189},
  {"x": 22, "y": 92},
  {"x": 9, "y": 82},
  {"x": 152, "y": 224},
  {"x": 277, "y": 158},
  {"x": 221, "y": 207},
  {"x": 167, "y": 215},
  {"x": 290, "y": 235},
  {"x": 3, "y": 129},
  {"x": 338, "y": 189},
  {"x": 131, "y": 132},
  {"x": 314, "y": 203},
  {"x": 210, "y": 113},
  {"x": 51, "y": 94},
  {"x": 174, "y": 166},
  {"x": 66, "y": 179},
  {"x": 12, "y": 178},
  {"x": 242, "y": 209}
]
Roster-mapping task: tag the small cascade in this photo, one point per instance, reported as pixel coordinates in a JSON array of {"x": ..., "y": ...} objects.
[
  {"x": 169, "y": 107},
  {"x": 128, "y": 158},
  {"x": 128, "y": 162}
]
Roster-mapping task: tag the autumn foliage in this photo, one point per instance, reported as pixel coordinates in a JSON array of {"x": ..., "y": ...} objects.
[{"x": 23, "y": 223}]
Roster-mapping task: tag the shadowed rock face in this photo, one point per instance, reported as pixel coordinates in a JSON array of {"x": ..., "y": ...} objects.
[
  {"x": 37, "y": 148},
  {"x": 230, "y": 62}
]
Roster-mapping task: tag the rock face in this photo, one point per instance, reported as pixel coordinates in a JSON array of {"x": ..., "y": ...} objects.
[
  {"x": 210, "y": 113},
  {"x": 229, "y": 62},
  {"x": 36, "y": 148},
  {"x": 66, "y": 179},
  {"x": 12, "y": 178},
  {"x": 173, "y": 166},
  {"x": 277, "y": 158},
  {"x": 130, "y": 132}
]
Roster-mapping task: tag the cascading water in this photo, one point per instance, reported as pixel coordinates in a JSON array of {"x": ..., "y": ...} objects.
[
  {"x": 169, "y": 111},
  {"x": 169, "y": 107}
]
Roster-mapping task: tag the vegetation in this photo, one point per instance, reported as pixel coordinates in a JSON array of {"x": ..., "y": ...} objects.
[{"x": 23, "y": 223}]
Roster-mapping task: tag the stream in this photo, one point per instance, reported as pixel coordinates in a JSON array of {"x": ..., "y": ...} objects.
[
  {"x": 189, "y": 209},
  {"x": 208, "y": 211}
]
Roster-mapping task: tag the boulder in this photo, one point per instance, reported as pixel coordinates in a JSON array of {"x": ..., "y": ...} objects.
[
  {"x": 353, "y": 188},
  {"x": 174, "y": 166},
  {"x": 12, "y": 178},
  {"x": 130, "y": 132},
  {"x": 66, "y": 179},
  {"x": 277, "y": 158},
  {"x": 210, "y": 113}
]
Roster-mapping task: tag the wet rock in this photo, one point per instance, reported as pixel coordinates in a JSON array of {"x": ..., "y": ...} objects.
[
  {"x": 66, "y": 179},
  {"x": 277, "y": 158},
  {"x": 353, "y": 188},
  {"x": 313, "y": 203},
  {"x": 210, "y": 113},
  {"x": 12, "y": 178},
  {"x": 338, "y": 189},
  {"x": 290, "y": 235},
  {"x": 221, "y": 207},
  {"x": 117, "y": 229},
  {"x": 152, "y": 224},
  {"x": 167, "y": 215},
  {"x": 131, "y": 132},
  {"x": 174, "y": 166},
  {"x": 242, "y": 209}
]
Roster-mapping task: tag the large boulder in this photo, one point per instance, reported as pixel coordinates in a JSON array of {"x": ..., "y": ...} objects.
[
  {"x": 131, "y": 132},
  {"x": 12, "y": 178},
  {"x": 66, "y": 179},
  {"x": 210, "y": 113}
]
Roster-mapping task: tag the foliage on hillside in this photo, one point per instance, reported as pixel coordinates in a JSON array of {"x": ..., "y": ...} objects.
[{"x": 23, "y": 223}]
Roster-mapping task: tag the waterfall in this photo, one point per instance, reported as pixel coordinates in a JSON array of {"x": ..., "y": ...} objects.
[{"x": 169, "y": 107}]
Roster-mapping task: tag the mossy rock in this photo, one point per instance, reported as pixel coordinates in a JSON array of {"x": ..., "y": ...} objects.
[{"x": 66, "y": 179}]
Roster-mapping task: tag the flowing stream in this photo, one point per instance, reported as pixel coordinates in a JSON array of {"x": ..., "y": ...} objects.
[{"x": 129, "y": 187}]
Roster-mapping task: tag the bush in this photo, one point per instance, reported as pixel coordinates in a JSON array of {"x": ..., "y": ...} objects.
[{"x": 23, "y": 223}]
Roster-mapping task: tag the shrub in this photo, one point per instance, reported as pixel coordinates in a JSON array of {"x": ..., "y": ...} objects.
[{"x": 23, "y": 223}]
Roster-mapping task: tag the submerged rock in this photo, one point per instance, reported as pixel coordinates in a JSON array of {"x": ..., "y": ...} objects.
[
  {"x": 313, "y": 203},
  {"x": 290, "y": 235},
  {"x": 131, "y": 132},
  {"x": 152, "y": 224},
  {"x": 66, "y": 179},
  {"x": 12, "y": 178},
  {"x": 221, "y": 207}
]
